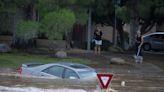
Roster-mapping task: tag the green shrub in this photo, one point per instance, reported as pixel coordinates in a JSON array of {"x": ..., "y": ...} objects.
[{"x": 56, "y": 23}]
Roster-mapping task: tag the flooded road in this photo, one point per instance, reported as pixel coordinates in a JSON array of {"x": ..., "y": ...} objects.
[
  {"x": 18, "y": 83},
  {"x": 134, "y": 82},
  {"x": 146, "y": 77},
  {"x": 34, "y": 89},
  {"x": 15, "y": 83}
]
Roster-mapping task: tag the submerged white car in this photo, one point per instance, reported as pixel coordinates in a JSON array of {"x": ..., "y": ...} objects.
[{"x": 59, "y": 70}]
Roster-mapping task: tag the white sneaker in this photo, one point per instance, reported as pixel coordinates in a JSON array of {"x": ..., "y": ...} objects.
[
  {"x": 134, "y": 56},
  {"x": 141, "y": 59}
]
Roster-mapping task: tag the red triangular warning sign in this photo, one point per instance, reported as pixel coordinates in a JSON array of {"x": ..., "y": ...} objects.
[{"x": 104, "y": 80}]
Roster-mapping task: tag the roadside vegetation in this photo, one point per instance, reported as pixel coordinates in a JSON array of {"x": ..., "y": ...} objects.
[{"x": 13, "y": 60}]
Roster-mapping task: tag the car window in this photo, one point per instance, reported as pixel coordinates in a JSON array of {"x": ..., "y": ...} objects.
[
  {"x": 86, "y": 74},
  {"x": 70, "y": 74},
  {"x": 163, "y": 36},
  {"x": 55, "y": 70},
  {"x": 157, "y": 36}
]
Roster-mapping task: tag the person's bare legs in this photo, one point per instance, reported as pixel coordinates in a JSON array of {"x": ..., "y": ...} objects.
[{"x": 99, "y": 49}]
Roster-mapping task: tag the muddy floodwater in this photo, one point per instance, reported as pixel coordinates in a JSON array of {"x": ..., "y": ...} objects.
[
  {"x": 129, "y": 77},
  {"x": 14, "y": 83},
  {"x": 34, "y": 89}
]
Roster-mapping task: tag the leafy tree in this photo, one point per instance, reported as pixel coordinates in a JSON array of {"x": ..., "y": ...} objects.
[
  {"x": 56, "y": 24},
  {"x": 25, "y": 34},
  {"x": 150, "y": 13},
  {"x": 104, "y": 13},
  {"x": 122, "y": 13},
  {"x": 11, "y": 11},
  {"x": 7, "y": 11},
  {"x": 79, "y": 7},
  {"x": 46, "y": 6},
  {"x": 143, "y": 12},
  {"x": 27, "y": 30}
]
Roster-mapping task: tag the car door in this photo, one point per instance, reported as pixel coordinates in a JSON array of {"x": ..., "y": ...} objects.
[
  {"x": 162, "y": 41},
  {"x": 53, "y": 71},
  {"x": 70, "y": 74},
  {"x": 157, "y": 41}
]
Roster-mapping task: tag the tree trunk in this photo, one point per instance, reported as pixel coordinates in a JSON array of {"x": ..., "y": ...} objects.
[
  {"x": 68, "y": 39},
  {"x": 121, "y": 33},
  {"x": 13, "y": 44},
  {"x": 115, "y": 28},
  {"x": 133, "y": 29},
  {"x": 134, "y": 23},
  {"x": 33, "y": 13},
  {"x": 89, "y": 31}
]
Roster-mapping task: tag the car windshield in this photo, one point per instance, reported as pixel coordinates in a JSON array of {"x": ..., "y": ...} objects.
[{"x": 86, "y": 74}]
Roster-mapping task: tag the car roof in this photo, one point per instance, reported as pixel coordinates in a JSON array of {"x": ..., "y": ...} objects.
[
  {"x": 74, "y": 66},
  {"x": 153, "y": 33}
]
